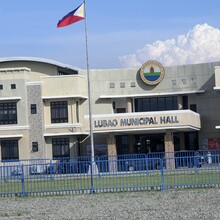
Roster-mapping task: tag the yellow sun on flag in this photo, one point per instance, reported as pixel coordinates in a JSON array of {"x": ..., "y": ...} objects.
[{"x": 81, "y": 11}]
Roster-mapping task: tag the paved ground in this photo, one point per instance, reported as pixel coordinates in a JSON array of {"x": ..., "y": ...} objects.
[{"x": 169, "y": 204}]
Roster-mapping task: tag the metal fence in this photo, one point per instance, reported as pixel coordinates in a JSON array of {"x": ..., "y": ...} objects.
[{"x": 157, "y": 171}]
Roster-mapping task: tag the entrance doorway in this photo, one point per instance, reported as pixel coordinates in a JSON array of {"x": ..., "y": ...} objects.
[
  {"x": 149, "y": 143},
  {"x": 142, "y": 144}
]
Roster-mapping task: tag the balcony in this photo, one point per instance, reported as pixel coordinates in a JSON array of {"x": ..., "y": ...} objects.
[
  {"x": 64, "y": 130},
  {"x": 54, "y": 87}
]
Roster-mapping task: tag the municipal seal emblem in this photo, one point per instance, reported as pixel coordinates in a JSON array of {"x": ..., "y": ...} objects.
[{"x": 152, "y": 72}]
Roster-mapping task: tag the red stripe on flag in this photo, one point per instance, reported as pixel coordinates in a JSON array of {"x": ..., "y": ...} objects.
[{"x": 69, "y": 20}]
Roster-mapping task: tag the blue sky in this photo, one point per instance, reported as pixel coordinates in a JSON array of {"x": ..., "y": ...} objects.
[{"x": 121, "y": 33}]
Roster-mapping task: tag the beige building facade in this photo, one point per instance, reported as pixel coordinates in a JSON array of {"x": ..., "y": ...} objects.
[{"x": 44, "y": 110}]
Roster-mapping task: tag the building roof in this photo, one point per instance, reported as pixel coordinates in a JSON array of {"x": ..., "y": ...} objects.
[{"x": 37, "y": 59}]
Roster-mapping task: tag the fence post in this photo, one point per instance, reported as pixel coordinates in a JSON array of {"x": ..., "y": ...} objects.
[
  {"x": 146, "y": 161},
  {"x": 23, "y": 193},
  {"x": 51, "y": 170},
  {"x": 162, "y": 174},
  {"x": 5, "y": 170}
]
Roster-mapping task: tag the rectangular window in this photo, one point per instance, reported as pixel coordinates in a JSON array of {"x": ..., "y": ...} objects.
[
  {"x": 173, "y": 82},
  {"x": 111, "y": 85},
  {"x": 122, "y": 85},
  {"x": 8, "y": 113},
  {"x": 169, "y": 103},
  {"x": 13, "y": 86},
  {"x": 60, "y": 147},
  {"x": 133, "y": 84},
  {"x": 175, "y": 103},
  {"x": 184, "y": 81},
  {"x": 1, "y": 87},
  {"x": 153, "y": 104},
  {"x": 59, "y": 112},
  {"x": 9, "y": 150},
  {"x": 161, "y": 104},
  {"x": 33, "y": 109},
  {"x": 156, "y": 104},
  {"x": 185, "y": 102},
  {"x": 60, "y": 72},
  {"x": 145, "y": 103},
  {"x": 34, "y": 146}
]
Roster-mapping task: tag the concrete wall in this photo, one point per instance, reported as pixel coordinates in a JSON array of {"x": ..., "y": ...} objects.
[
  {"x": 36, "y": 121},
  {"x": 217, "y": 76}
]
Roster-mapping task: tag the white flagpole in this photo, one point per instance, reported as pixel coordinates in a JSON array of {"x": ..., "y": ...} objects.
[{"x": 90, "y": 108}]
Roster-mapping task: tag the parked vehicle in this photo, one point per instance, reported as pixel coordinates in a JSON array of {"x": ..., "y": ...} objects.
[
  {"x": 140, "y": 164},
  {"x": 65, "y": 166},
  {"x": 62, "y": 166},
  {"x": 17, "y": 171},
  {"x": 37, "y": 169}
]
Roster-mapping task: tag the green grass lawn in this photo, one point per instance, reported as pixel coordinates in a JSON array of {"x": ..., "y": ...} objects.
[{"x": 71, "y": 182}]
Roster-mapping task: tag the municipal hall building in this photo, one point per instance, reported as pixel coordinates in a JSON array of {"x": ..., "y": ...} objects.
[{"x": 44, "y": 109}]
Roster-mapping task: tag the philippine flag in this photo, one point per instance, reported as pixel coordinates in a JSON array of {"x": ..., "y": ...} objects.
[{"x": 76, "y": 15}]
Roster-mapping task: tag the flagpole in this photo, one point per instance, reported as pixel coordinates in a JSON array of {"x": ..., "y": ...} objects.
[
  {"x": 89, "y": 100},
  {"x": 72, "y": 17}
]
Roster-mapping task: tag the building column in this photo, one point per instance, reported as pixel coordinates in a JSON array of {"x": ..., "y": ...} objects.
[
  {"x": 169, "y": 149},
  {"x": 112, "y": 152},
  {"x": 128, "y": 105}
]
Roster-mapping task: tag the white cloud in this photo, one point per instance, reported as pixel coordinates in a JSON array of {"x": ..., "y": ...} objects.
[{"x": 201, "y": 44}]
